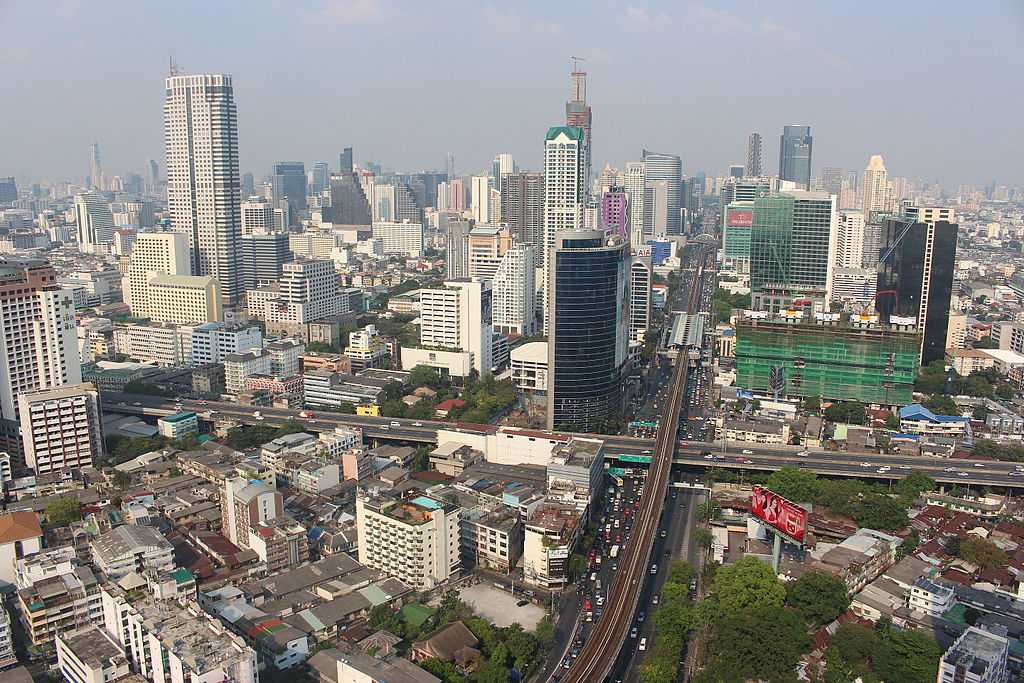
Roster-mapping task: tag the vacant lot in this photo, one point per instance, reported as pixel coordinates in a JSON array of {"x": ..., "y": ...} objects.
[{"x": 499, "y": 606}]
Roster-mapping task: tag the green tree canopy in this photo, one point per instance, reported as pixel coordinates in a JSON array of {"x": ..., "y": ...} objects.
[
  {"x": 799, "y": 486},
  {"x": 747, "y": 585},
  {"x": 63, "y": 511},
  {"x": 982, "y": 552},
  {"x": 762, "y": 644},
  {"x": 818, "y": 597}
]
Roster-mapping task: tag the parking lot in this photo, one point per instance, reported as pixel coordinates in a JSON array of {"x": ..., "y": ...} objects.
[{"x": 500, "y": 606}]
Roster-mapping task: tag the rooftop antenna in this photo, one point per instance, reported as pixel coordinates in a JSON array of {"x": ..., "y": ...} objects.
[{"x": 172, "y": 67}]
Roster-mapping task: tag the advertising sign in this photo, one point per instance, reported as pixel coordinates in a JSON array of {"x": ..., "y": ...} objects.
[
  {"x": 740, "y": 218},
  {"x": 788, "y": 518}
]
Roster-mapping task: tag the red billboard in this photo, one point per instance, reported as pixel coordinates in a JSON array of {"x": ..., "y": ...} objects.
[
  {"x": 780, "y": 514},
  {"x": 739, "y": 218}
]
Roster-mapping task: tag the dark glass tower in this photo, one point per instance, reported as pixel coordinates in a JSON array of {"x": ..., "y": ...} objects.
[
  {"x": 795, "y": 155},
  {"x": 912, "y": 285},
  {"x": 290, "y": 183},
  {"x": 589, "y": 329}
]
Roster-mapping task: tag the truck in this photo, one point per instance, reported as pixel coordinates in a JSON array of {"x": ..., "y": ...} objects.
[{"x": 614, "y": 552}]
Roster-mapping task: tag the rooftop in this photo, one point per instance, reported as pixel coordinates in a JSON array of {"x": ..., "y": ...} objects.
[
  {"x": 126, "y": 539},
  {"x": 976, "y": 650},
  {"x": 94, "y": 647},
  {"x": 19, "y": 526}
]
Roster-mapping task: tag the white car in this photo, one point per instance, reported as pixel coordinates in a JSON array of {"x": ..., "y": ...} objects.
[
  {"x": 949, "y": 469},
  {"x": 962, "y": 474},
  {"x": 643, "y": 645},
  {"x": 747, "y": 451},
  {"x": 804, "y": 454},
  {"x": 978, "y": 464},
  {"x": 904, "y": 467},
  {"x": 865, "y": 464}
]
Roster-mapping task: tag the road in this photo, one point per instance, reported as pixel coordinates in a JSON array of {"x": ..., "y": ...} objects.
[{"x": 602, "y": 647}]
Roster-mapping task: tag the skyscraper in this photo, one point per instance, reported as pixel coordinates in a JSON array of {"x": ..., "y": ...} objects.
[
  {"x": 95, "y": 223},
  {"x": 641, "y": 277},
  {"x": 565, "y": 190},
  {"x": 201, "y": 137},
  {"x": 515, "y": 290},
  {"x": 153, "y": 180},
  {"x": 850, "y": 240},
  {"x": 502, "y": 164},
  {"x": 795, "y": 155},
  {"x": 289, "y": 182},
  {"x": 875, "y": 187},
  {"x": 755, "y": 157},
  {"x": 8, "y": 190},
  {"x": 635, "y": 185},
  {"x": 262, "y": 257},
  {"x": 663, "y": 193},
  {"x": 38, "y": 349},
  {"x": 407, "y": 206},
  {"x": 321, "y": 177},
  {"x": 792, "y": 250},
  {"x": 248, "y": 185},
  {"x": 349, "y": 205},
  {"x": 588, "y": 338},
  {"x": 578, "y": 114},
  {"x": 522, "y": 205},
  {"x": 615, "y": 211},
  {"x": 917, "y": 255},
  {"x": 95, "y": 167},
  {"x": 345, "y": 162},
  {"x": 457, "y": 258},
  {"x": 449, "y": 165},
  {"x": 480, "y": 198}
]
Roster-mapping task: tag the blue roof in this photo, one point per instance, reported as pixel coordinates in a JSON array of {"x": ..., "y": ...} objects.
[{"x": 917, "y": 411}]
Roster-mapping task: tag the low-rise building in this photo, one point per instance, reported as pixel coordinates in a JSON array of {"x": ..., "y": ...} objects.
[
  {"x": 492, "y": 537},
  {"x": 931, "y": 597},
  {"x": 415, "y": 540},
  {"x": 178, "y": 425},
  {"x": 859, "y": 559},
  {"x": 20, "y": 536},
  {"x": 753, "y": 430},
  {"x": 238, "y": 366},
  {"x": 575, "y": 473},
  {"x": 452, "y": 458},
  {"x": 977, "y": 656},
  {"x": 90, "y": 655},
  {"x": 916, "y": 419},
  {"x": 550, "y": 535},
  {"x": 49, "y": 604},
  {"x": 530, "y": 367},
  {"x": 131, "y": 548},
  {"x": 280, "y": 543}
]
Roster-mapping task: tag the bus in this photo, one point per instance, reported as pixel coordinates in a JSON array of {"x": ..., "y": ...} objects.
[{"x": 615, "y": 552}]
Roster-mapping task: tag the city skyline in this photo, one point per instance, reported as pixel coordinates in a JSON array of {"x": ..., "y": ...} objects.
[{"x": 118, "y": 103}]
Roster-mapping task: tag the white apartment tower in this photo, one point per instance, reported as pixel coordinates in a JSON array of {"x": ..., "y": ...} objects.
[
  {"x": 480, "y": 192},
  {"x": 565, "y": 191},
  {"x": 257, "y": 216},
  {"x": 60, "y": 428},
  {"x": 39, "y": 347},
  {"x": 515, "y": 292},
  {"x": 94, "y": 221},
  {"x": 850, "y": 240},
  {"x": 875, "y": 194},
  {"x": 165, "y": 253},
  {"x": 641, "y": 277},
  {"x": 458, "y": 316},
  {"x": 203, "y": 187},
  {"x": 635, "y": 184}
]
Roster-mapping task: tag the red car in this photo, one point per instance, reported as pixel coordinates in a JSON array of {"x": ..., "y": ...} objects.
[{"x": 586, "y": 605}]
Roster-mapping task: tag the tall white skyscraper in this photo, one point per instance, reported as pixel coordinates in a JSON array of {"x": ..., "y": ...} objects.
[
  {"x": 515, "y": 292},
  {"x": 95, "y": 222},
  {"x": 875, "y": 187},
  {"x": 257, "y": 216},
  {"x": 203, "y": 187},
  {"x": 95, "y": 167},
  {"x": 635, "y": 184},
  {"x": 480, "y": 192},
  {"x": 502, "y": 164},
  {"x": 850, "y": 240},
  {"x": 565, "y": 191}
]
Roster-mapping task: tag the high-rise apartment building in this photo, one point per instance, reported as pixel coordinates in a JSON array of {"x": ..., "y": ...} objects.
[
  {"x": 289, "y": 184},
  {"x": 8, "y": 190},
  {"x": 257, "y": 216},
  {"x": 457, "y": 258},
  {"x": 61, "y": 428},
  {"x": 875, "y": 194},
  {"x": 588, "y": 338},
  {"x": 407, "y": 204},
  {"x": 522, "y": 205},
  {"x": 154, "y": 253},
  {"x": 755, "y": 156},
  {"x": 203, "y": 193},
  {"x": 615, "y": 211},
  {"x": 515, "y": 292},
  {"x": 917, "y": 264},
  {"x": 404, "y": 238},
  {"x": 579, "y": 115},
  {"x": 94, "y": 221},
  {"x": 480, "y": 198},
  {"x": 564, "y": 191},
  {"x": 487, "y": 245},
  {"x": 503, "y": 164},
  {"x": 792, "y": 250},
  {"x": 415, "y": 540},
  {"x": 458, "y": 316},
  {"x": 663, "y": 193},
  {"x": 850, "y": 240},
  {"x": 795, "y": 146},
  {"x": 635, "y": 187},
  {"x": 39, "y": 347},
  {"x": 641, "y": 277}
]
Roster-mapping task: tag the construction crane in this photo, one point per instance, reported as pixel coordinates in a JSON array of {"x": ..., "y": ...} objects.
[
  {"x": 867, "y": 308},
  {"x": 575, "y": 60}
]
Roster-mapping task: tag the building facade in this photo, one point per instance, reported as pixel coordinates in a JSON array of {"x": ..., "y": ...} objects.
[{"x": 61, "y": 428}]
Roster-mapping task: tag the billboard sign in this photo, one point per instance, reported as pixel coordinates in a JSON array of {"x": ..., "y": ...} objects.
[
  {"x": 787, "y": 518},
  {"x": 739, "y": 218}
]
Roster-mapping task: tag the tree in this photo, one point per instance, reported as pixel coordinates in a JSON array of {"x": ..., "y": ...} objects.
[
  {"x": 855, "y": 643},
  {"x": 545, "y": 632},
  {"x": 763, "y": 644},
  {"x": 818, "y": 597},
  {"x": 980, "y": 412},
  {"x": 801, "y": 486},
  {"x": 392, "y": 391},
  {"x": 442, "y": 669},
  {"x": 577, "y": 565},
  {"x": 703, "y": 537},
  {"x": 424, "y": 376},
  {"x": 941, "y": 405},
  {"x": 812, "y": 403},
  {"x": 850, "y": 412},
  {"x": 907, "y": 656},
  {"x": 892, "y": 421},
  {"x": 914, "y": 484},
  {"x": 382, "y": 617},
  {"x": 449, "y": 607},
  {"x": 121, "y": 480},
  {"x": 708, "y": 509},
  {"x": 63, "y": 511},
  {"x": 747, "y": 585},
  {"x": 137, "y": 386},
  {"x": 982, "y": 552},
  {"x": 909, "y": 545},
  {"x": 394, "y": 408}
]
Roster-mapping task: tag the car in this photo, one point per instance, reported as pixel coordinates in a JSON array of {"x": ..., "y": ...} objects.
[
  {"x": 305, "y": 414},
  {"x": 567, "y": 662},
  {"x": 654, "y": 569},
  {"x": 395, "y": 424},
  {"x": 643, "y": 645},
  {"x": 600, "y": 600},
  {"x": 865, "y": 464},
  {"x": 709, "y": 457},
  {"x": 949, "y": 469},
  {"x": 962, "y": 474},
  {"x": 748, "y": 462},
  {"x": 615, "y": 568},
  {"x": 1019, "y": 468},
  {"x": 663, "y": 533},
  {"x": 881, "y": 470},
  {"x": 979, "y": 464},
  {"x": 522, "y": 603},
  {"x": 804, "y": 454},
  {"x": 586, "y": 604},
  {"x": 656, "y": 599},
  {"x": 632, "y": 632},
  {"x": 903, "y": 467},
  {"x": 417, "y": 424},
  {"x": 747, "y": 451},
  {"x": 640, "y": 617},
  {"x": 137, "y": 403}
]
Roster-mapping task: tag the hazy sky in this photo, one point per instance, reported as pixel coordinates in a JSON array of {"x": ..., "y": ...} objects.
[{"x": 935, "y": 87}]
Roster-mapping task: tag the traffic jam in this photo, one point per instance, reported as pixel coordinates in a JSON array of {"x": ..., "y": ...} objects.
[{"x": 622, "y": 500}]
